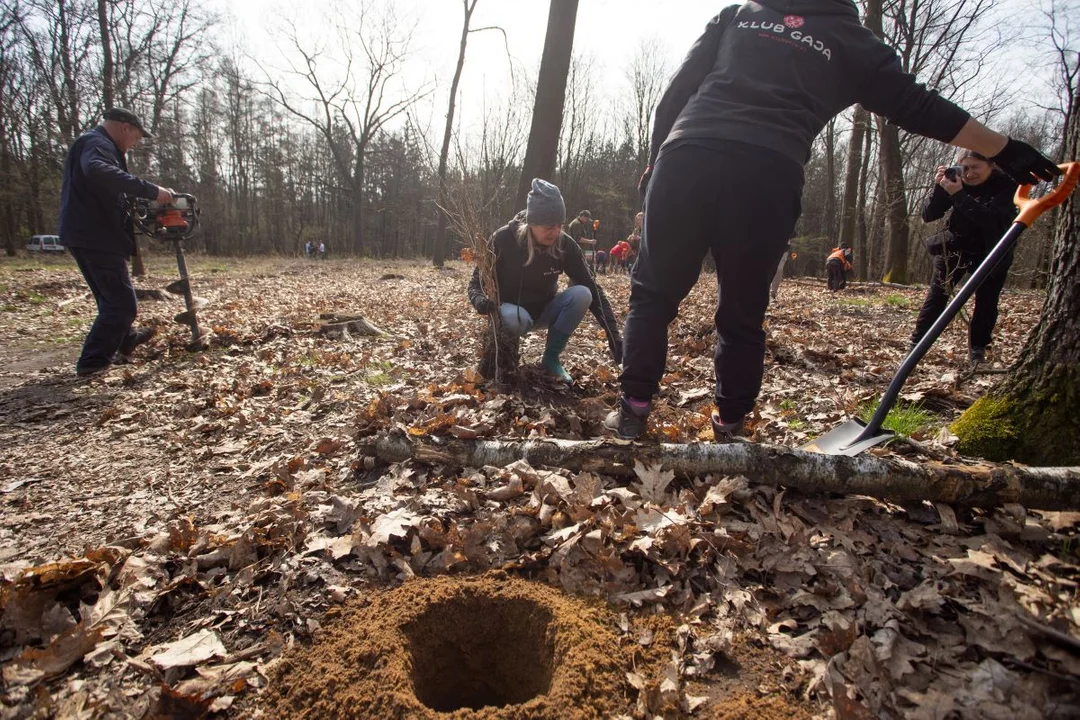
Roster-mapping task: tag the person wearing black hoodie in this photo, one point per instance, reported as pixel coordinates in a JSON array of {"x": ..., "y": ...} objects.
[
  {"x": 731, "y": 134},
  {"x": 980, "y": 206},
  {"x": 531, "y": 252}
]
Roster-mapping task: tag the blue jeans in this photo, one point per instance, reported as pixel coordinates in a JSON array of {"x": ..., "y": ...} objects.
[
  {"x": 107, "y": 276},
  {"x": 563, "y": 313}
]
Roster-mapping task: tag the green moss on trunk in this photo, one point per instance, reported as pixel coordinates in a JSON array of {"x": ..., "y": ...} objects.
[{"x": 1040, "y": 429}]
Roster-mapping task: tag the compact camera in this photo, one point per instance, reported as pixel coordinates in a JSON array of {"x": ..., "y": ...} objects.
[{"x": 955, "y": 172}]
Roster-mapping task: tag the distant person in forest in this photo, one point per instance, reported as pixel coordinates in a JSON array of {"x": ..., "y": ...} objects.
[
  {"x": 531, "y": 252},
  {"x": 95, "y": 227},
  {"x": 778, "y": 276},
  {"x": 621, "y": 256},
  {"x": 322, "y": 250},
  {"x": 731, "y": 134},
  {"x": 582, "y": 231},
  {"x": 601, "y": 262},
  {"x": 634, "y": 238},
  {"x": 837, "y": 266},
  {"x": 978, "y": 199}
]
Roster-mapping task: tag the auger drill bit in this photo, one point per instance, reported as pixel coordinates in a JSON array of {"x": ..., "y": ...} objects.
[{"x": 193, "y": 304}]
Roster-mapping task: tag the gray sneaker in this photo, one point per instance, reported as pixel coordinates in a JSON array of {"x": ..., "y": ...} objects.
[
  {"x": 977, "y": 355},
  {"x": 727, "y": 432},
  {"x": 628, "y": 422}
]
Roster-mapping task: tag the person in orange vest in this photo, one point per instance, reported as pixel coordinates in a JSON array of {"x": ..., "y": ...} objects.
[
  {"x": 620, "y": 255},
  {"x": 837, "y": 267}
]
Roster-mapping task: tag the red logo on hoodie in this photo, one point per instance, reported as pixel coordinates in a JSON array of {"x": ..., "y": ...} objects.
[{"x": 793, "y": 21}]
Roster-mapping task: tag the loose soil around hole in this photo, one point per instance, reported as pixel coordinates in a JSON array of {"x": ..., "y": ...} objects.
[{"x": 486, "y": 647}]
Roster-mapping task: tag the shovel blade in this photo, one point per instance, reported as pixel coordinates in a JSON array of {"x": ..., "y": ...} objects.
[{"x": 847, "y": 439}]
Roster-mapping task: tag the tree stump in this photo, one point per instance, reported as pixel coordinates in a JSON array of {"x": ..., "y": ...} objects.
[{"x": 344, "y": 326}]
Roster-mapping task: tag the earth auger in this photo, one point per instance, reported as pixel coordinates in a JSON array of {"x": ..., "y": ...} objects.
[{"x": 175, "y": 222}]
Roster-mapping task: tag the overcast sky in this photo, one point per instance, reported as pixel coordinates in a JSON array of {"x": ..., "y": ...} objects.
[{"x": 610, "y": 31}]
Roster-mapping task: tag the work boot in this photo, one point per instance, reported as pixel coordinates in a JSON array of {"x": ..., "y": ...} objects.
[
  {"x": 629, "y": 420},
  {"x": 727, "y": 432},
  {"x": 88, "y": 372},
  {"x": 977, "y": 355},
  {"x": 556, "y": 343},
  {"x": 135, "y": 338}
]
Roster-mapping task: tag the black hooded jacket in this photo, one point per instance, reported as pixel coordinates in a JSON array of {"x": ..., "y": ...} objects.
[
  {"x": 772, "y": 73},
  {"x": 980, "y": 213},
  {"x": 535, "y": 285}
]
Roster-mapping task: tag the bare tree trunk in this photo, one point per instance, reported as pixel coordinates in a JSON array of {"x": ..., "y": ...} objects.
[
  {"x": 812, "y": 473},
  {"x": 862, "y": 252},
  {"x": 550, "y": 97},
  {"x": 892, "y": 175},
  {"x": 357, "y": 244},
  {"x": 439, "y": 256},
  {"x": 852, "y": 172},
  {"x": 896, "y": 217},
  {"x": 830, "y": 180},
  {"x": 1034, "y": 415},
  {"x": 106, "y": 54}
]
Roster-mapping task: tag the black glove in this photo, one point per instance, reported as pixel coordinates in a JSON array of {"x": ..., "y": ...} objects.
[
  {"x": 1025, "y": 164},
  {"x": 643, "y": 183},
  {"x": 615, "y": 346},
  {"x": 485, "y": 305}
]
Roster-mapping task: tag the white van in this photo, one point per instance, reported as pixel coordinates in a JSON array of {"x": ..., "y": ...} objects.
[{"x": 45, "y": 243}]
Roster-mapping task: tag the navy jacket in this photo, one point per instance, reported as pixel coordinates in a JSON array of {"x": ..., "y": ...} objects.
[
  {"x": 92, "y": 203},
  {"x": 772, "y": 73}
]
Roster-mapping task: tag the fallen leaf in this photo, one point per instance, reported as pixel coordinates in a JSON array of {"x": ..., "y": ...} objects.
[
  {"x": 392, "y": 524},
  {"x": 654, "y": 482},
  {"x": 188, "y": 651}
]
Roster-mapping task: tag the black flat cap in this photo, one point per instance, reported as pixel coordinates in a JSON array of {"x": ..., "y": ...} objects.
[{"x": 126, "y": 116}]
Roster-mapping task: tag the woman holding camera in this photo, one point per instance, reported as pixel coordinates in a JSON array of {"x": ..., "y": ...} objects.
[{"x": 979, "y": 200}]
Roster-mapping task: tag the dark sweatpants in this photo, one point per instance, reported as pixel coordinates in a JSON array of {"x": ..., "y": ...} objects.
[
  {"x": 107, "y": 276},
  {"x": 949, "y": 270},
  {"x": 741, "y": 202},
  {"x": 837, "y": 278}
]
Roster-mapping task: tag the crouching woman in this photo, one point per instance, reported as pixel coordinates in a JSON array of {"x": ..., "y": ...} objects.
[{"x": 531, "y": 253}]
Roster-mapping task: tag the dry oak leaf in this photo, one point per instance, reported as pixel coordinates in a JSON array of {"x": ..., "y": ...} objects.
[
  {"x": 394, "y": 523},
  {"x": 654, "y": 482},
  {"x": 188, "y": 651}
]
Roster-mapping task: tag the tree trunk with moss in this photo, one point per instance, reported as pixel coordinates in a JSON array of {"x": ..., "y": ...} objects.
[{"x": 1034, "y": 415}]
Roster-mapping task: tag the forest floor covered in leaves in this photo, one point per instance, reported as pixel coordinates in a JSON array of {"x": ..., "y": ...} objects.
[{"x": 198, "y": 534}]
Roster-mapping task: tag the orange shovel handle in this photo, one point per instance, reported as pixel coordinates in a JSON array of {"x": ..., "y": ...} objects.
[{"x": 1031, "y": 209}]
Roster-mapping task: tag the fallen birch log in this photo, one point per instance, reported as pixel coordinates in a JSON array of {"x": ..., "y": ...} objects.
[{"x": 893, "y": 479}]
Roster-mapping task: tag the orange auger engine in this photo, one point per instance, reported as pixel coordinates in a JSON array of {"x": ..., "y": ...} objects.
[{"x": 175, "y": 222}]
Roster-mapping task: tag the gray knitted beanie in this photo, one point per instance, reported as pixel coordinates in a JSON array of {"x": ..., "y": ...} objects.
[{"x": 545, "y": 204}]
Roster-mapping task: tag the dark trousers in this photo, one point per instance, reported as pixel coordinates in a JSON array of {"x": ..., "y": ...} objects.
[
  {"x": 741, "y": 203},
  {"x": 949, "y": 270},
  {"x": 107, "y": 276},
  {"x": 837, "y": 277}
]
